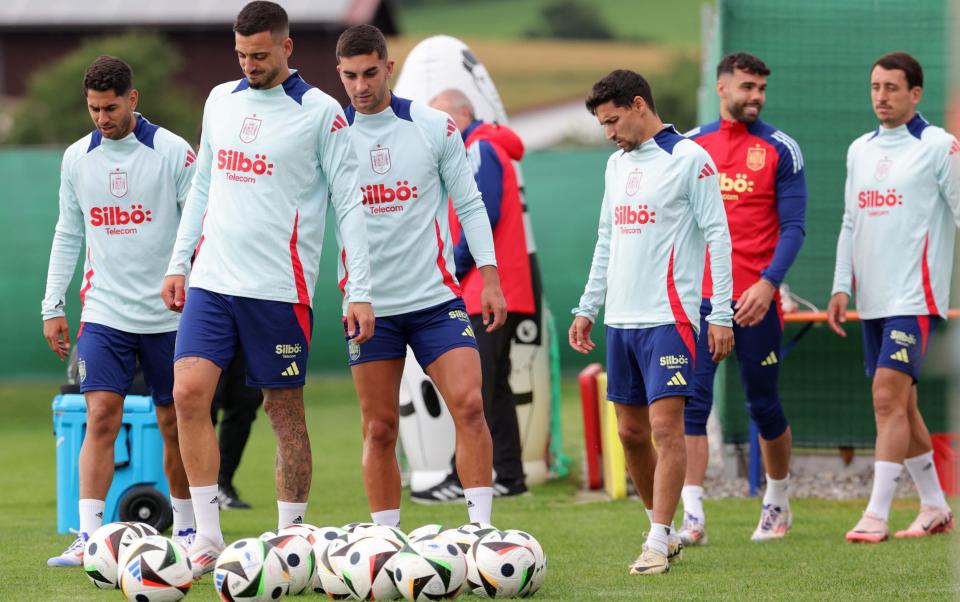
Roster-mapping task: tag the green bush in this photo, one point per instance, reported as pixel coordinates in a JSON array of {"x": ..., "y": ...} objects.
[
  {"x": 675, "y": 93},
  {"x": 572, "y": 20},
  {"x": 54, "y": 112}
]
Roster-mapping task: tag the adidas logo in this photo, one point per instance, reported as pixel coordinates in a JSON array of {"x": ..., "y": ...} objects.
[
  {"x": 214, "y": 500},
  {"x": 292, "y": 370},
  {"x": 467, "y": 332},
  {"x": 297, "y": 521},
  {"x": 677, "y": 380},
  {"x": 901, "y": 356},
  {"x": 451, "y": 127},
  {"x": 771, "y": 359},
  {"x": 470, "y": 504},
  {"x": 955, "y": 148},
  {"x": 99, "y": 514},
  {"x": 338, "y": 123},
  {"x": 190, "y": 158},
  {"x": 706, "y": 172}
]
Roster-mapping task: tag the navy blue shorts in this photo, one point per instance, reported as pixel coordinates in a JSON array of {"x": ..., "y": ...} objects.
[
  {"x": 274, "y": 335},
  {"x": 897, "y": 342},
  {"x": 429, "y": 332},
  {"x": 647, "y": 364},
  {"x": 107, "y": 360},
  {"x": 758, "y": 356}
]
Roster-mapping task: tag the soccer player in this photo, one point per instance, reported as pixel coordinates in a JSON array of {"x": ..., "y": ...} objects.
[
  {"x": 121, "y": 188},
  {"x": 273, "y": 152},
  {"x": 901, "y": 210},
  {"x": 765, "y": 197},
  {"x": 412, "y": 159},
  {"x": 661, "y": 207},
  {"x": 491, "y": 150}
]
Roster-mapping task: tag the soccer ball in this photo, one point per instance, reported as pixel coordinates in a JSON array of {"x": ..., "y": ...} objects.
[
  {"x": 431, "y": 568},
  {"x": 540, "y": 567},
  {"x": 251, "y": 569},
  {"x": 364, "y": 566},
  {"x": 297, "y": 552},
  {"x": 498, "y": 567},
  {"x": 350, "y": 527},
  {"x": 156, "y": 570},
  {"x": 464, "y": 537},
  {"x": 145, "y": 530},
  {"x": 425, "y": 531},
  {"x": 391, "y": 534},
  {"x": 101, "y": 554},
  {"x": 302, "y": 529},
  {"x": 327, "y": 581}
]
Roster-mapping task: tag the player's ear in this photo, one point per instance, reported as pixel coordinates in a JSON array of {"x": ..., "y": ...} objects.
[
  {"x": 916, "y": 94},
  {"x": 390, "y": 65},
  {"x": 288, "y": 47},
  {"x": 133, "y": 97}
]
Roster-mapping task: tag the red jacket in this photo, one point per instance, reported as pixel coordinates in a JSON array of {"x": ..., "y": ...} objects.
[{"x": 496, "y": 149}]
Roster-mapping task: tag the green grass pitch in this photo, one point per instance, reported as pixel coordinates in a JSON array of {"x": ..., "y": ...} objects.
[{"x": 588, "y": 544}]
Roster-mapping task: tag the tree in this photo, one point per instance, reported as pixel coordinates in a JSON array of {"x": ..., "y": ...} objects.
[
  {"x": 570, "y": 19},
  {"x": 53, "y": 111}
]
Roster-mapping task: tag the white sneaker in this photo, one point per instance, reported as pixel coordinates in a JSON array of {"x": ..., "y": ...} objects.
[
  {"x": 203, "y": 555},
  {"x": 650, "y": 562},
  {"x": 693, "y": 532},
  {"x": 775, "y": 523},
  {"x": 184, "y": 538},
  {"x": 73, "y": 555},
  {"x": 674, "y": 547}
]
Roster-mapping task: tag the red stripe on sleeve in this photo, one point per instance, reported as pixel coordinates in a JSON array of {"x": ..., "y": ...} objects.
[
  {"x": 448, "y": 280},
  {"x": 303, "y": 296},
  {"x": 927, "y": 285},
  {"x": 683, "y": 322}
]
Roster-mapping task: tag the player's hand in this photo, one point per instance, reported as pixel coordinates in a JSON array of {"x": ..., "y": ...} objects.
[
  {"x": 580, "y": 335},
  {"x": 360, "y": 322},
  {"x": 57, "y": 333},
  {"x": 719, "y": 341},
  {"x": 837, "y": 312},
  {"x": 173, "y": 292},
  {"x": 754, "y": 303},
  {"x": 491, "y": 299}
]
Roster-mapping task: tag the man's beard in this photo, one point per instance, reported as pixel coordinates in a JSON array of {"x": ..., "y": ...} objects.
[
  {"x": 737, "y": 112},
  {"x": 268, "y": 77}
]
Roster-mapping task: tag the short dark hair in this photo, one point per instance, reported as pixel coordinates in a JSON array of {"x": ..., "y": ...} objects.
[
  {"x": 260, "y": 16},
  {"x": 744, "y": 61},
  {"x": 904, "y": 62},
  {"x": 361, "y": 39},
  {"x": 108, "y": 73},
  {"x": 621, "y": 87}
]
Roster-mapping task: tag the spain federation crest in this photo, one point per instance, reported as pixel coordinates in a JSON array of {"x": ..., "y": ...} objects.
[
  {"x": 118, "y": 183},
  {"x": 250, "y": 129},
  {"x": 633, "y": 182},
  {"x": 883, "y": 169},
  {"x": 756, "y": 158},
  {"x": 354, "y": 348},
  {"x": 380, "y": 160}
]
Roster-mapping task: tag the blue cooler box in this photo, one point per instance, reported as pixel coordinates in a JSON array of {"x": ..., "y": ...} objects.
[{"x": 139, "y": 491}]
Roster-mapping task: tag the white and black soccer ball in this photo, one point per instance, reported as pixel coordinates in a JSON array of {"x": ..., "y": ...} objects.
[
  {"x": 365, "y": 566},
  {"x": 351, "y": 527},
  {"x": 382, "y": 531},
  {"x": 499, "y": 567},
  {"x": 540, "y": 567},
  {"x": 156, "y": 570},
  {"x": 430, "y": 568},
  {"x": 297, "y": 552},
  {"x": 425, "y": 531},
  {"x": 103, "y": 550},
  {"x": 251, "y": 570},
  {"x": 327, "y": 581},
  {"x": 302, "y": 529}
]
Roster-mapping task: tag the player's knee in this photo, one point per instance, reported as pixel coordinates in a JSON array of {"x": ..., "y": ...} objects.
[
  {"x": 189, "y": 400},
  {"x": 769, "y": 418},
  {"x": 634, "y": 437},
  {"x": 887, "y": 404},
  {"x": 666, "y": 431},
  {"x": 469, "y": 412},
  {"x": 103, "y": 422},
  {"x": 381, "y": 433}
]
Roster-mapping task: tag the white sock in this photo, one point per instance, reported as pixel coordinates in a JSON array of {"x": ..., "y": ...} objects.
[
  {"x": 91, "y": 515},
  {"x": 182, "y": 514},
  {"x": 389, "y": 518},
  {"x": 776, "y": 493},
  {"x": 290, "y": 513},
  {"x": 657, "y": 538},
  {"x": 692, "y": 496},
  {"x": 924, "y": 474},
  {"x": 479, "y": 504},
  {"x": 206, "y": 510},
  {"x": 885, "y": 478},
  {"x": 649, "y": 512}
]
